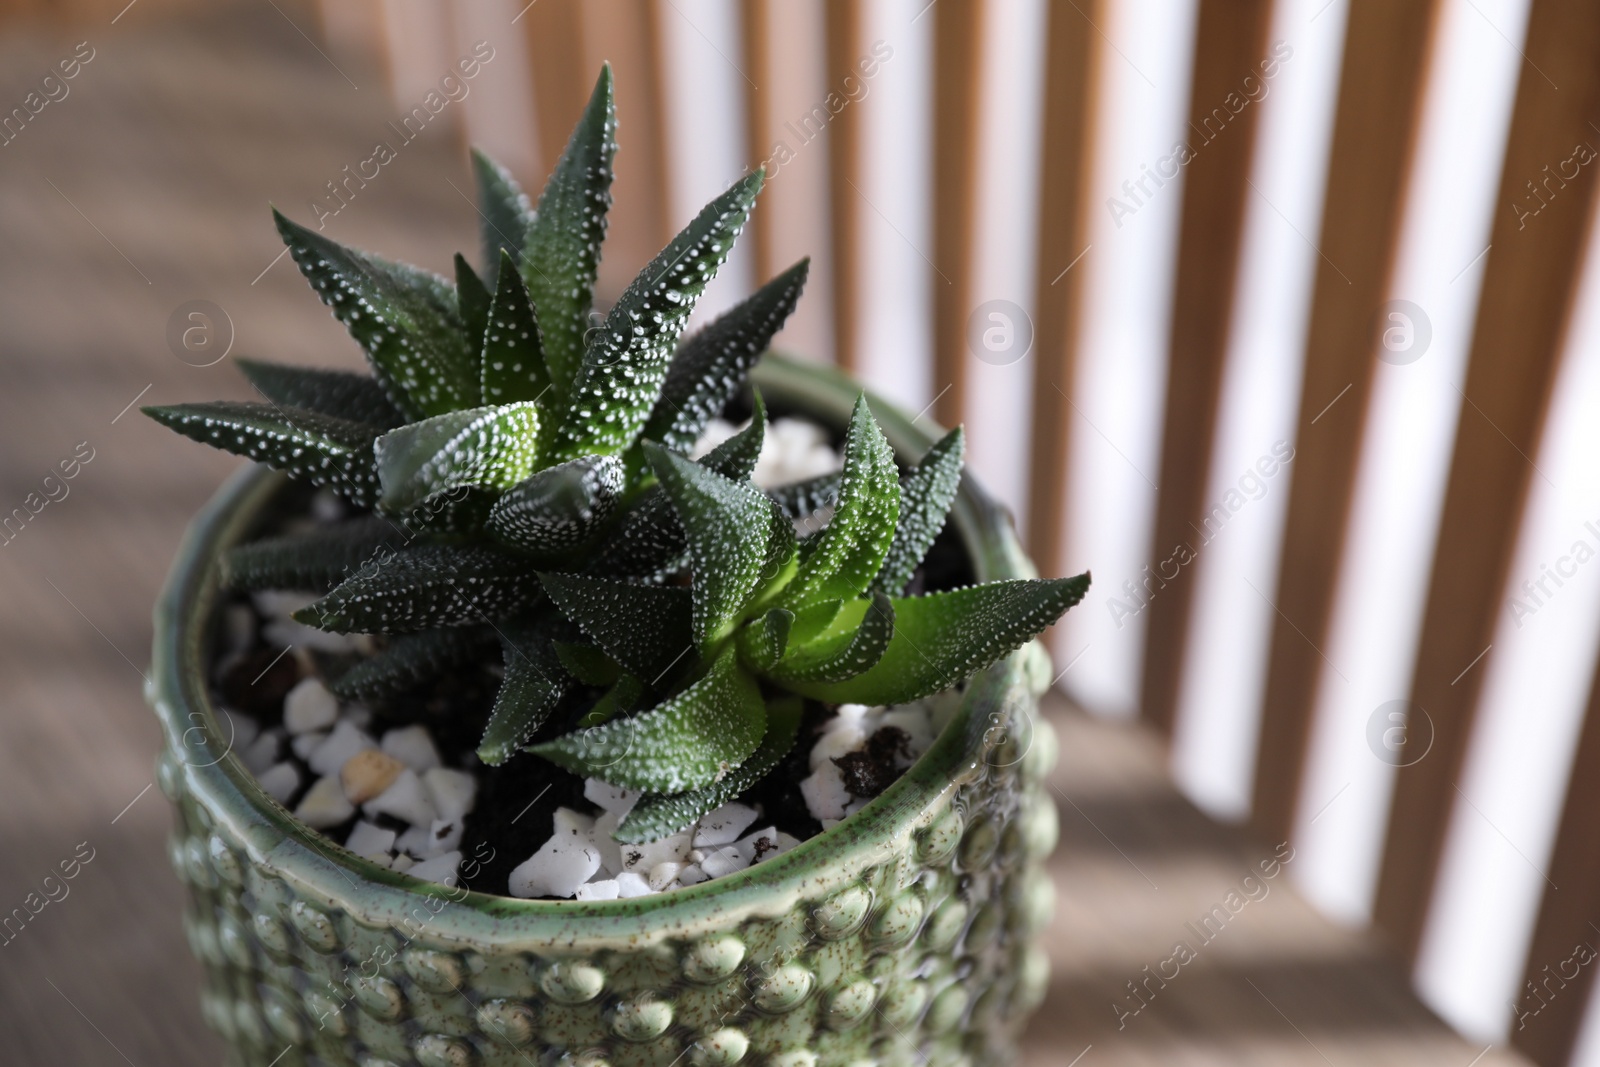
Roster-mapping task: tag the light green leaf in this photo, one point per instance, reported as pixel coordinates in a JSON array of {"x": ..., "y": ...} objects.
[
  {"x": 943, "y": 638},
  {"x": 354, "y": 397},
  {"x": 491, "y": 447},
  {"x": 426, "y": 586},
  {"x": 645, "y": 628},
  {"x": 409, "y": 660},
  {"x": 727, "y": 525},
  {"x": 505, "y": 212},
  {"x": 711, "y": 366},
  {"x": 405, "y": 319},
  {"x": 513, "y": 360},
  {"x": 558, "y": 508},
  {"x": 563, "y": 251},
  {"x": 925, "y": 497},
  {"x": 851, "y": 550},
  {"x": 316, "y": 560},
  {"x": 857, "y": 639},
  {"x": 625, "y": 363},
  {"x": 307, "y": 446},
  {"x": 656, "y": 816},
  {"x": 686, "y": 742}
]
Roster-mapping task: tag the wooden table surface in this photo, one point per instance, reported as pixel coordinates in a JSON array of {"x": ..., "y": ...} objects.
[{"x": 147, "y": 187}]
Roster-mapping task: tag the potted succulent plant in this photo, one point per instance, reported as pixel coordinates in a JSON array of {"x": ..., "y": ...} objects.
[{"x": 518, "y": 618}]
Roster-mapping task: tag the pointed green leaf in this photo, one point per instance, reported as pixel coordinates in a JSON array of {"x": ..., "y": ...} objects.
[
  {"x": 316, "y": 560},
  {"x": 474, "y": 300},
  {"x": 405, "y": 319},
  {"x": 513, "y": 359},
  {"x": 409, "y": 660},
  {"x": 736, "y": 457},
  {"x": 460, "y": 509},
  {"x": 625, "y": 696},
  {"x": 657, "y": 816},
  {"x": 812, "y": 620},
  {"x": 505, "y": 212},
  {"x": 625, "y": 363},
  {"x": 766, "y": 640},
  {"x": 779, "y": 563},
  {"x": 354, "y": 397},
  {"x": 711, "y": 366},
  {"x": 727, "y": 524},
  {"x": 305, "y": 445},
  {"x": 800, "y": 500},
  {"x": 563, "y": 251},
  {"x": 645, "y": 628},
  {"x": 423, "y": 587},
  {"x": 857, "y": 639},
  {"x": 851, "y": 550},
  {"x": 687, "y": 742},
  {"x": 588, "y": 664},
  {"x": 926, "y": 494},
  {"x": 491, "y": 447},
  {"x": 534, "y": 684},
  {"x": 556, "y": 509},
  {"x": 943, "y": 638}
]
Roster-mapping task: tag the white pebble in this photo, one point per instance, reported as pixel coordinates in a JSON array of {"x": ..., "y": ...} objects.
[
  {"x": 263, "y": 752},
  {"x": 403, "y": 862},
  {"x": 280, "y": 603},
  {"x": 370, "y": 841},
  {"x": 405, "y": 799},
  {"x": 357, "y": 715},
  {"x": 633, "y": 885},
  {"x": 441, "y": 869},
  {"x": 691, "y": 875},
  {"x": 647, "y": 857},
  {"x": 759, "y": 845},
  {"x": 610, "y": 850},
  {"x": 280, "y": 781},
  {"x": 345, "y": 741},
  {"x": 913, "y": 721},
  {"x": 723, "y": 860},
  {"x": 305, "y": 744},
  {"x": 661, "y": 875},
  {"x": 425, "y": 842},
  {"x": 453, "y": 792},
  {"x": 563, "y": 863},
  {"x": 324, "y": 804},
  {"x": 309, "y": 706},
  {"x": 413, "y": 746},
  {"x": 724, "y": 825},
  {"x": 610, "y": 798},
  {"x": 602, "y": 890},
  {"x": 786, "y": 842},
  {"x": 835, "y": 743},
  {"x": 824, "y": 793}
]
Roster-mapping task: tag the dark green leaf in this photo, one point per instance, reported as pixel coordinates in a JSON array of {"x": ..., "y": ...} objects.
[
  {"x": 563, "y": 250},
  {"x": 559, "y": 507},
  {"x": 405, "y": 319},
  {"x": 645, "y": 628},
  {"x": 711, "y": 366},
  {"x": 513, "y": 360},
  {"x": 474, "y": 300},
  {"x": 316, "y": 560},
  {"x": 459, "y": 509},
  {"x": 409, "y": 660},
  {"x": 305, "y": 445},
  {"x": 354, "y": 397},
  {"x": 625, "y": 696},
  {"x": 656, "y": 816},
  {"x": 423, "y": 587},
  {"x": 855, "y": 641},
  {"x": 943, "y": 638},
  {"x": 505, "y": 212},
  {"x": 534, "y": 684},
  {"x": 588, "y": 664},
  {"x": 491, "y": 447},
  {"x": 625, "y": 363},
  {"x": 925, "y": 497},
  {"x": 687, "y": 742},
  {"x": 800, "y": 500}
]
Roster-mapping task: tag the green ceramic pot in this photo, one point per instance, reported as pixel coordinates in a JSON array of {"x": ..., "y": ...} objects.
[{"x": 904, "y": 935}]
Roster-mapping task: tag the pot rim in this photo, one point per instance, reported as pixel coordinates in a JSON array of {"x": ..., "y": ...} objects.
[{"x": 378, "y": 896}]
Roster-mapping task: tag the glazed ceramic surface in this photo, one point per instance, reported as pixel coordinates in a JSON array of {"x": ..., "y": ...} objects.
[{"x": 902, "y": 936}]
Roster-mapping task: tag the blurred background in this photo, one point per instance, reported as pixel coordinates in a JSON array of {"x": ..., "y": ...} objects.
[{"x": 1279, "y": 315}]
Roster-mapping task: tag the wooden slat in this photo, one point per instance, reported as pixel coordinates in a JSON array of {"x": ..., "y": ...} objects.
[
  {"x": 1528, "y": 285},
  {"x": 1545, "y": 1024},
  {"x": 1072, "y": 58},
  {"x": 1380, "y": 91},
  {"x": 1231, "y": 38},
  {"x": 846, "y": 37},
  {"x": 756, "y": 30},
  {"x": 958, "y": 33},
  {"x": 561, "y": 74}
]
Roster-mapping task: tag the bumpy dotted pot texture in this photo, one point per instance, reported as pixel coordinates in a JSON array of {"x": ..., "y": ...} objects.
[{"x": 905, "y": 935}]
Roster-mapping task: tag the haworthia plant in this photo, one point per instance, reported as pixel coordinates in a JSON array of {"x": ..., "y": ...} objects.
[{"x": 517, "y": 473}]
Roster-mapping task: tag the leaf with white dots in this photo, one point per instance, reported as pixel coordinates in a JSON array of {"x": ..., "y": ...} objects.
[
  {"x": 490, "y": 447},
  {"x": 625, "y": 363},
  {"x": 356, "y": 397},
  {"x": 727, "y": 526},
  {"x": 306, "y": 445},
  {"x": 710, "y": 367},
  {"x": 563, "y": 243},
  {"x": 425, "y": 586},
  {"x": 505, "y": 213},
  {"x": 926, "y": 494},
  {"x": 645, "y": 628},
  {"x": 942, "y": 638},
  {"x": 406, "y": 320},
  {"x": 856, "y": 640},
  {"x": 513, "y": 360},
  {"x": 409, "y": 660},
  {"x": 472, "y": 299},
  {"x": 556, "y": 509},
  {"x": 534, "y": 684},
  {"x": 316, "y": 560},
  {"x": 656, "y": 816},
  {"x": 800, "y": 500},
  {"x": 687, "y": 742},
  {"x": 850, "y": 552}
]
